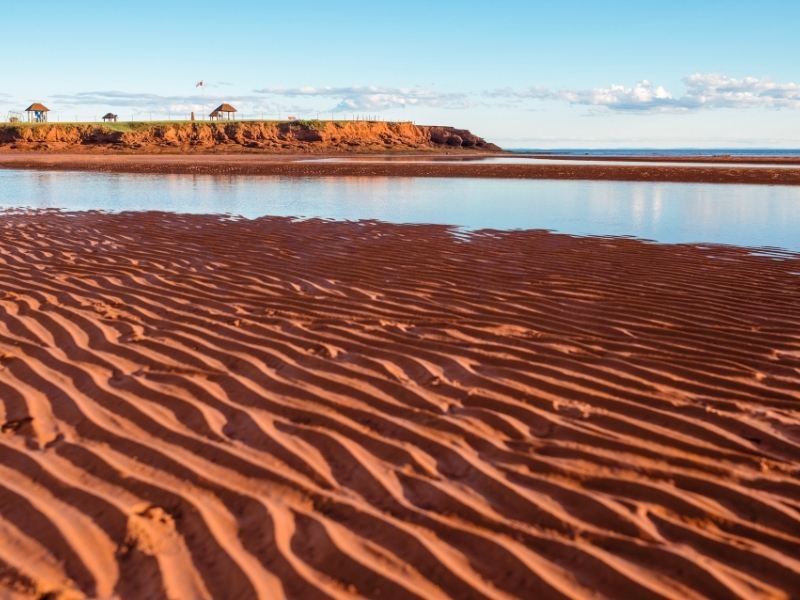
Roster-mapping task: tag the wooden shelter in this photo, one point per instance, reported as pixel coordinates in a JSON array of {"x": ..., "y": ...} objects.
[
  {"x": 112, "y": 118},
  {"x": 37, "y": 113},
  {"x": 223, "y": 111}
]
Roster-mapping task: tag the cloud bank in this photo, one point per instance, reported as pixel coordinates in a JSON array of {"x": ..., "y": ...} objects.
[
  {"x": 702, "y": 91},
  {"x": 143, "y": 102},
  {"x": 327, "y": 99},
  {"x": 372, "y": 98}
]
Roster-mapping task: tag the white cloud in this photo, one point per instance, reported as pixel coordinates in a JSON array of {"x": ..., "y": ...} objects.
[
  {"x": 372, "y": 98},
  {"x": 702, "y": 91},
  {"x": 642, "y": 96},
  {"x": 154, "y": 103},
  {"x": 719, "y": 91},
  {"x": 345, "y": 99}
]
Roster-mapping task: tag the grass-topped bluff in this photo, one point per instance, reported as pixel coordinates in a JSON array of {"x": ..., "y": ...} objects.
[{"x": 238, "y": 136}]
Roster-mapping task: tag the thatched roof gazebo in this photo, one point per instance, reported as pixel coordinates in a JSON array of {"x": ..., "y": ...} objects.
[
  {"x": 223, "y": 111},
  {"x": 110, "y": 118},
  {"x": 37, "y": 113}
]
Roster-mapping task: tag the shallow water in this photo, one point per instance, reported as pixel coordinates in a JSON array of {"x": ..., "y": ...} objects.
[
  {"x": 678, "y": 152},
  {"x": 745, "y": 215},
  {"x": 533, "y": 160}
]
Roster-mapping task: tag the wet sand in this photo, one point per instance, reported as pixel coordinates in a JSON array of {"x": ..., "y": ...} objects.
[
  {"x": 206, "y": 407},
  {"x": 276, "y": 165}
]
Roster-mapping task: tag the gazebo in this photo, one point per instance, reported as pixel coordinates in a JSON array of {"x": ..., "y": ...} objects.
[
  {"x": 37, "y": 113},
  {"x": 110, "y": 118},
  {"x": 223, "y": 111}
]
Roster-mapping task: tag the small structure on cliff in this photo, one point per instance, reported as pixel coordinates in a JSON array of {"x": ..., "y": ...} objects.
[
  {"x": 111, "y": 118},
  {"x": 37, "y": 113},
  {"x": 223, "y": 112}
]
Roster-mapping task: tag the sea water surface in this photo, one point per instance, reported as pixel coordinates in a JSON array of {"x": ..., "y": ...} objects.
[
  {"x": 676, "y": 152},
  {"x": 743, "y": 215},
  {"x": 524, "y": 159}
]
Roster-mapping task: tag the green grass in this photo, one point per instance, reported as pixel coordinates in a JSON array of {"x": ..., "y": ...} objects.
[{"x": 136, "y": 126}]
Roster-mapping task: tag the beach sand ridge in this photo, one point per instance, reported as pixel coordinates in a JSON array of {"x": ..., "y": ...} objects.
[{"x": 212, "y": 407}]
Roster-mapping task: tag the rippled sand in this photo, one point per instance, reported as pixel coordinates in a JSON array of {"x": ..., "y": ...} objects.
[{"x": 201, "y": 407}]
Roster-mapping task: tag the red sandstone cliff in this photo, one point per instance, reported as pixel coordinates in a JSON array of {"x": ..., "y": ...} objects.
[{"x": 268, "y": 136}]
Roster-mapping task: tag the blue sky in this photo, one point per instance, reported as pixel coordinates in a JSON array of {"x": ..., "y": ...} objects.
[{"x": 572, "y": 73}]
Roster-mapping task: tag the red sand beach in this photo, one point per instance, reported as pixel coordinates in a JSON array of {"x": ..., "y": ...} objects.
[
  {"x": 299, "y": 166},
  {"x": 205, "y": 407}
]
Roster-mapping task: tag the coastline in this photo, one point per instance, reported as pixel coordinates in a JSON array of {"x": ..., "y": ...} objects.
[
  {"x": 301, "y": 166},
  {"x": 194, "y": 402}
]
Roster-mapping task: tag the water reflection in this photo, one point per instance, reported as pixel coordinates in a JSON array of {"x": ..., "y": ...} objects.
[
  {"x": 534, "y": 160},
  {"x": 666, "y": 212}
]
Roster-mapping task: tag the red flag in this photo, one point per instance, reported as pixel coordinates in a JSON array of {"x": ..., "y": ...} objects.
[{"x": 199, "y": 84}]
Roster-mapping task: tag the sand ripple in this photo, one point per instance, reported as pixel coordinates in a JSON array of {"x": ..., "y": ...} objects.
[{"x": 204, "y": 407}]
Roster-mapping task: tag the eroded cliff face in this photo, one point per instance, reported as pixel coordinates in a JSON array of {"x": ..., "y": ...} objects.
[{"x": 280, "y": 137}]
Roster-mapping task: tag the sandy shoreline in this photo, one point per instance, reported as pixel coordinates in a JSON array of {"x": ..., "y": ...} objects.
[
  {"x": 277, "y": 165},
  {"x": 194, "y": 406}
]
